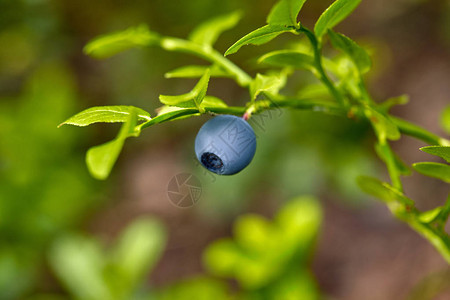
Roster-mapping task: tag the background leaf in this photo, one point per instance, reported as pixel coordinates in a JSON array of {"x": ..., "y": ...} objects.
[
  {"x": 445, "y": 119},
  {"x": 288, "y": 58},
  {"x": 441, "y": 151},
  {"x": 106, "y": 114},
  {"x": 100, "y": 159},
  {"x": 208, "y": 32},
  {"x": 382, "y": 124},
  {"x": 432, "y": 169},
  {"x": 382, "y": 190},
  {"x": 196, "y": 71},
  {"x": 110, "y": 44},
  {"x": 285, "y": 12},
  {"x": 356, "y": 53},
  {"x": 259, "y": 36},
  {"x": 333, "y": 15}
]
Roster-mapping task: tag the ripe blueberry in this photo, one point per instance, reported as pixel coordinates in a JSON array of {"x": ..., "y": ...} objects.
[{"x": 225, "y": 144}]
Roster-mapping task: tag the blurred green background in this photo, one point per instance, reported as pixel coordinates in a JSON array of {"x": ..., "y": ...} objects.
[{"x": 64, "y": 235}]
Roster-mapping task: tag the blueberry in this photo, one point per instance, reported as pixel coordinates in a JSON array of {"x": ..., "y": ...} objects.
[{"x": 225, "y": 144}]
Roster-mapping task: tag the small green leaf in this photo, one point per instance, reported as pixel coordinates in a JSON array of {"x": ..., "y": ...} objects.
[
  {"x": 266, "y": 83},
  {"x": 333, "y": 15},
  {"x": 445, "y": 119},
  {"x": 382, "y": 190},
  {"x": 285, "y": 12},
  {"x": 259, "y": 36},
  {"x": 100, "y": 159},
  {"x": 208, "y": 32},
  {"x": 211, "y": 101},
  {"x": 170, "y": 113},
  {"x": 432, "y": 169},
  {"x": 137, "y": 251},
  {"x": 253, "y": 233},
  {"x": 356, "y": 53},
  {"x": 383, "y": 126},
  {"x": 430, "y": 215},
  {"x": 441, "y": 151},
  {"x": 108, "y": 45},
  {"x": 389, "y": 103},
  {"x": 197, "y": 71},
  {"x": 106, "y": 114},
  {"x": 192, "y": 99},
  {"x": 288, "y": 58},
  {"x": 221, "y": 257}
]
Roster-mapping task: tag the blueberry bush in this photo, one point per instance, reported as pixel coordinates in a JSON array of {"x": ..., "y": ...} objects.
[{"x": 344, "y": 94}]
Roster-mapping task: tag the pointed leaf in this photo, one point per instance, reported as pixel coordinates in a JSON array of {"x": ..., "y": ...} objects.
[
  {"x": 445, "y": 119},
  {"x": 441, "y": 151},
  {"x": 266, "y": 83},
  {"x": 285, "y": 12},
  {"x": 106, "y": 114},
  {"x": 382, "y": 190},
  {"x": 100, "y": 159},
  {"x": 108, "y": 45},
  {"x": 137, "y": 250},
  {"x": 259, "y": 36},
  {"x": 169, "y": 113},
  {"x": 355, "y": 52},
  {"x": 333, "y": 15},
  {"x": 432, "y": 169},
  {"x": 208, "y": 32},
  {"x": 192, "y": 99},
  {"x": 197, "y": 71},
  {"x": 288, "y": 58},
  {"x": 383, "y": 126},
  {"x": 430, "y": 215},
  {"x": 211, "y": 101}
]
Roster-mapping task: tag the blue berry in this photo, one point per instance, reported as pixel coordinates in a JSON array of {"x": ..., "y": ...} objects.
[{"x": 225, "y": 144}]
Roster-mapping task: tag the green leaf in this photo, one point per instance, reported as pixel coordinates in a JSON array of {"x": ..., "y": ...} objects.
[
  {"x": 441, "y": 151},
  {"x": 100, "y": 159},
  {"x": 389, "y": 103},
  {"x": 253, "y": 233},
  {"x": 382, "y": 190},
  {"x": 196, "y": 71},
  {"x": 170, "y": 113},
  {"x": 211, "y": 101},
  {"x": 208, "y": 32},
  {"x": 221, "y": 257},
  {"x": 259, "y": 36},
  {"x": 138, "y": 249},
  {"x": 108, "y": 45},
  {"x": 285, "y": 12},
  {"x": 383, "y": 126},
  {"x": 78, "y": 262},
  {"x": 288, "y": 58},
  {"x": 106, "y": 114},
  {"x": 430, "y": 215},
  {"x": 432, "y": 169},
  {"x": 356, "y": 53},
  {"x": 192, "y": 99},
  {"x": 445, "y": 119},
  {"x": 266, "y": 83},
  {"x": 333, "y": 15}
]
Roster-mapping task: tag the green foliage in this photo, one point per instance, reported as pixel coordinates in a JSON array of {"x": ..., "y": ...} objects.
[
  {"x": 192, "y": 99},
  {"x": 441, "y": 151},
  {"x": 285, "y": 12},
  {"x": 259, "y": 36},
  {"x": 356, "y": 53},
  {"x": 100, "y": 159},
  {"x": 343, "y": 94},
  {"x": 208, "y": 32},
  {"x": 262, "y": 251},
  {"x": 90, "y": 272},
  {"x": 333, "y": 15},
  {"x": 445, "y": 119},
  {"x": 106, "y": 114},
  {"x": 288, "y": 58},
  {"x": 114, "y": 43},
  {"x": 432, "y": 169}
]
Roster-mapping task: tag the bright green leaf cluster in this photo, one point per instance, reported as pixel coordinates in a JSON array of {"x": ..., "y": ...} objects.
[
  {"x": 434, "y": 169},
  {"x": 262, "y": 250}
]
